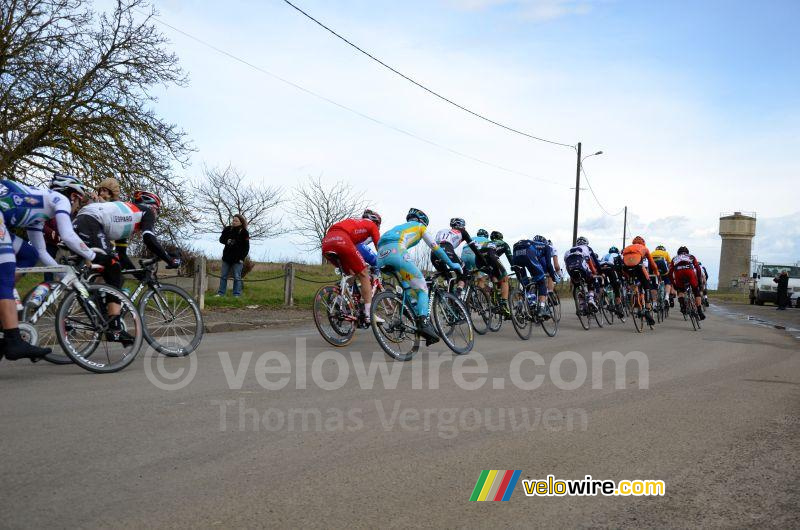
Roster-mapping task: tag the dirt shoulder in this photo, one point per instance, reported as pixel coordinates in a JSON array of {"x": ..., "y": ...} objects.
[{"x": 253, "y": 317}]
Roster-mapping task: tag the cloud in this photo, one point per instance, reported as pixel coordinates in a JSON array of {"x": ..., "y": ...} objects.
[
  {"x": 671, "y": 222},
  {"x": 538, "y": 10},
  {"x": 778, "y": 239}
]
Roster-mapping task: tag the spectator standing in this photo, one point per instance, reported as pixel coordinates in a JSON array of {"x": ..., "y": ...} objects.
[
  {"x": 783, "y": 289},
  {"x": 237, "y": 245}
]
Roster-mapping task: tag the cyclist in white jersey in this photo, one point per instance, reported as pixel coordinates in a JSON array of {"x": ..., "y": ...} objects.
[
  {"x": 449, "y": 241},
  {"x": 101, "y": 223},
  {"x": 29, "y": 207}
]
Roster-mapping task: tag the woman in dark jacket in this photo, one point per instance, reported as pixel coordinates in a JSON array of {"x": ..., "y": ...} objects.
[{"x": 237, "y": 245}]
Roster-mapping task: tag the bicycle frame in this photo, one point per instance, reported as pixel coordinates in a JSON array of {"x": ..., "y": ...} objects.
[{"x": 69, "y": 280}]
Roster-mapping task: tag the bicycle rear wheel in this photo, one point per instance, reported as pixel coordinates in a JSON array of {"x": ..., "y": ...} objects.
[
  {"x": 479, "y": 310},
  {"x": 171, "y": 320},
  {"x": 580, "y": 305},
  {"x": 607, "y": 305},
  {"x": 637, "y": 313},
  {"x": 84, "y": 334},
  {"x": 495, "y": 316},
  {"x": 453, "y": 323},
  {"x": 334, "y": 316},
  {"x": 394, "y": 327},
  {"x": 520, "y": 313}
]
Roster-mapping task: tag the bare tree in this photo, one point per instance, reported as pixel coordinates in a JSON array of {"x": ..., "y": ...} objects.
[
  {"x": 223, "y": 193},
  {"x": 318, "y": 205},
  {"x": 75, "y": 95}
]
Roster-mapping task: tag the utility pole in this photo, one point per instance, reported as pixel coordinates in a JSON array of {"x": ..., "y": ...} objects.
[
  {"x": 625, "y": 227},
  {"x": 577, "y": 197}
]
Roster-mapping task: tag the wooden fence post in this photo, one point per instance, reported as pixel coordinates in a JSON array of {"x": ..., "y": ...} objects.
[
  {"x": 288, "y": 284},
  {"x": 200, "y": 284}
]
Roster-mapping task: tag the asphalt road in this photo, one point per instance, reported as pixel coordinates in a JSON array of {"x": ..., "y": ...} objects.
[{"x": 714, "y": 414}]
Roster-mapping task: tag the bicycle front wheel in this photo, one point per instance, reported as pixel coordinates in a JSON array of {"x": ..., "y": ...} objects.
[
  {"x": 171, "y": 320},
  {"x": 453, "y": 323},
  {"x": 83, "y": 329},
  {"x": 46, "y": 328}
]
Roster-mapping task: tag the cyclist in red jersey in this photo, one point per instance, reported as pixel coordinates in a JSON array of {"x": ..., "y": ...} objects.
[
  {"x": 685, "y": 270},
  {"x": 341, "y": 240},
  {"x": 638, "y": 263}
]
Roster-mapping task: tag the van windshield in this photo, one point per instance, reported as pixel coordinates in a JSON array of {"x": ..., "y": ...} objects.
[{"x": 774, "y": 270}]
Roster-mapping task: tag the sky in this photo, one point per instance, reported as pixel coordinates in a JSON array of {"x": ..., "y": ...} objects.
[{"x": 694, "y": 104}]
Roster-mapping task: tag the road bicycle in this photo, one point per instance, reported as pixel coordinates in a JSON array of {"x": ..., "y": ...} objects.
[
  {"x": 524, "y": 304},
  {"x": 691, "y": 312},
  {"x": 637, "y": 307},
  {"x": 338, "y": 310},
  {"x": 661, "y": 304},
  {"x": 394, "y": 325},
  {"x": 80, "y": 322},
  {"x": 609, "y": 304},
  {"x": 584, "y": 311}
]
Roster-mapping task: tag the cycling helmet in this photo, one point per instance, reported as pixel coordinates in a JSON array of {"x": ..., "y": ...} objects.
[
  {"x": 496, "y": 236},
  {"x": 457, "y": 222},
  {"x": 540, "y": 239},
  {"x": 146, "y": 198},
  {"x": 67, "y": 184},
  {"x": 661, "y": 247},
  {"x": 581, "y": 241},
  {"x": 482, "y": 233},
  {"x": 372, "y": 215},
  {"x": 683, "y": 250},
  {"x": 613, "y": 250},
  {"x": 638, "y": 240},
  {"x": 417, "y": 215}
]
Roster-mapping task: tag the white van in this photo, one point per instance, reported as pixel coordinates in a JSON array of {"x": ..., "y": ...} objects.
[{"x": 767, "y": 291}]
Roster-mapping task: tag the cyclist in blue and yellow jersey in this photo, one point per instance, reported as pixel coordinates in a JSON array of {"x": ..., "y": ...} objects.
[
  {"x": 662, "y": 259},
  {"x": 393, "y": 253}
]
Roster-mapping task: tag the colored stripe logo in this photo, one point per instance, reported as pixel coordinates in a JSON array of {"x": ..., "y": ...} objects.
[{"x": 495, "y": 485}]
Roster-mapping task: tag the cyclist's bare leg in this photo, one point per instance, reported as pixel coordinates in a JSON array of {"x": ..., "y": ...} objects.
[{"x": 8, "y": 314}]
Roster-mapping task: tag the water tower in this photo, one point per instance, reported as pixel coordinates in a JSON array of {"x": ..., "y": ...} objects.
[{"x": 737, "y": 230}]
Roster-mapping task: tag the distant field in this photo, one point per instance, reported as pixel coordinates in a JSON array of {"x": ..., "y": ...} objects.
[{"x": 270, "y": 293}]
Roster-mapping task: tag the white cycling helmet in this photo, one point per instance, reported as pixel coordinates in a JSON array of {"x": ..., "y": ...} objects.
[{"x": 67, "y": 184}]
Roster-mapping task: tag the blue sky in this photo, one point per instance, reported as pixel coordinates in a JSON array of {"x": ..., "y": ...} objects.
[{"x": 695, "y": 105}]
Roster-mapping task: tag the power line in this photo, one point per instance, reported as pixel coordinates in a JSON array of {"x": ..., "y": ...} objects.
[
  {"x": 350, "y": 109},
  {"x": 420, "y": 85},
  {"x": 585, "y": 176}
]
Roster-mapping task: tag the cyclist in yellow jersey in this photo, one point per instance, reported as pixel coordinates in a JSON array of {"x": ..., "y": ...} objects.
[{"x": 662, "y": 259}]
